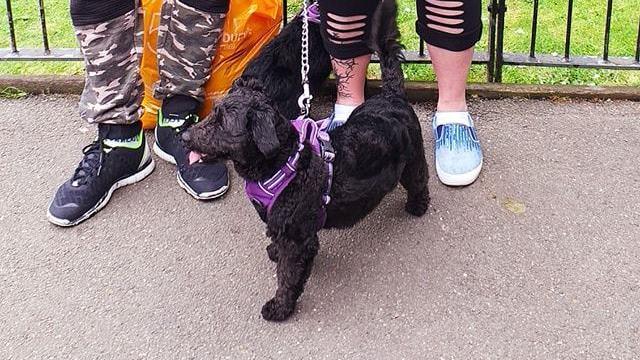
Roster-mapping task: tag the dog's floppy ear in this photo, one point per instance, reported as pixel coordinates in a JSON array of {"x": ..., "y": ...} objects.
[{"x": 263, "y": 129}]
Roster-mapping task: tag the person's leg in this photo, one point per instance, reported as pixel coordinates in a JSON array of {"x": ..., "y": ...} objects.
[
  {"x": 452, "y": 71},
  {"x": 346, "y": 31},
  {"x": 188, "y": 36},
  {"x": 451, "y": 29},
  {"x": 109, "y": 39},
  {"x": 108, "y": 34}
]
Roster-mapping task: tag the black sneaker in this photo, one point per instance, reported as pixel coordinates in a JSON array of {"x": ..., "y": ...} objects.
[
  {"x": 202, "y": 180},
  {"x": 116, "y": 159}
]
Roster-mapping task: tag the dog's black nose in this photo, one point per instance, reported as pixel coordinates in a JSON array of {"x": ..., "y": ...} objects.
[{"x": 186, "y": 136}]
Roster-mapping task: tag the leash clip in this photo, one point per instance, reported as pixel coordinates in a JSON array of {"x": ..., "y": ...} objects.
[{"x": 305, "y": 100}]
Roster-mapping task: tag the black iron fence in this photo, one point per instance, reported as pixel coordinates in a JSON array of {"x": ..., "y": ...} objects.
[{"x": 495, "y": 58}]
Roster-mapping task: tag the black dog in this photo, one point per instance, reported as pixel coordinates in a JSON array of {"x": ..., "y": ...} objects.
[
  {"x": 277, "y": 69},
  {"x": 380, "y": 146}
]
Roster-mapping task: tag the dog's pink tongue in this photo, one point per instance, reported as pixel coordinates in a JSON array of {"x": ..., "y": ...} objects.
[{"x": 194, "y": 157}]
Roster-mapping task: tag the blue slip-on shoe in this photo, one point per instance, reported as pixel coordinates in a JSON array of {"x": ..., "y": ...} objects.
[{"x": 457, "y": 149}]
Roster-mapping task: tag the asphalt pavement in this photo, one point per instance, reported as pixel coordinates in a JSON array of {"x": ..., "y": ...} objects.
[{"x": 539, "y": 259}]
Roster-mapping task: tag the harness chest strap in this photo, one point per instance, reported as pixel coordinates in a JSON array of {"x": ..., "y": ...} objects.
[
  {"x": 310, "y": 133},
  {"x": 313, "y": 13}
]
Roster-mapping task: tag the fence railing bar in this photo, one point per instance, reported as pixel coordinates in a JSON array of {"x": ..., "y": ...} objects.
[
  {"x": 567, "y": 41},
  {"x": 578, "y": 62},
  {"x": 491, "y": 66},
  {"x": 71, "y": 54},
  {"x": 501, "y": 10},
  {"x": 414, "y": 57},
  {"x": 29, "y": 54},
  {"x": 638, "y": 43},
  {"x": 285, "y": 13},
  {"x": 607, "y": 31},
  {"x": 12, "y": 31},
  {"x": 534, "y": 29},
  {"x": 43, "y": 25}
]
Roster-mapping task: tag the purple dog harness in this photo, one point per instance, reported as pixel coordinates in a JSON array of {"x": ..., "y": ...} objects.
[
  {"x": 264, "y": 194},
  {"x": 314, "y": 13}
]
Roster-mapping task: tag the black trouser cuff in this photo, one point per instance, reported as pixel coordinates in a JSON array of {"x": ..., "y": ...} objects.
[
  {"x": 451, "y": 42},
  {"x": 91, "y": 12},
  {"x": 179, "y": 105},
  {"x": 347, "y": 51},
  {"x": 210, "y": 6}
]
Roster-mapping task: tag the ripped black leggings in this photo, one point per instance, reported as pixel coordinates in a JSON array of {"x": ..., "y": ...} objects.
[{"x": 453, "y": 25}]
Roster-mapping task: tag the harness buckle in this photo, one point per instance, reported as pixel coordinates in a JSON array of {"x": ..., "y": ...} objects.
[{"x": 328, "y": 152}]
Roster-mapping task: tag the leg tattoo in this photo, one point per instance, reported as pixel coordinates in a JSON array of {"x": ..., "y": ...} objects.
[{"x": 344, "y": 71}]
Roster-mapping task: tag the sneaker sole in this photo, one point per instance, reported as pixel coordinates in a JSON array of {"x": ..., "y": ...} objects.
[
  {"x": 163, "y": 155},
  {"x": 183, "y": 184},
  {"x": 204, "y": 196},
  {"x": 465, "y": 179},
  {"x": 135, "y": 178}
]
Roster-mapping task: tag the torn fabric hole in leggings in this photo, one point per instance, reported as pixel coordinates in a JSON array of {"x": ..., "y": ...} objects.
[
  {"x": 347, "y": 26},
  {"x": 454, "y": 25}
]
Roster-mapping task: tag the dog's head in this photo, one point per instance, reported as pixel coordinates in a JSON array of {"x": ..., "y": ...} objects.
[{"x": 244, "y": 128}]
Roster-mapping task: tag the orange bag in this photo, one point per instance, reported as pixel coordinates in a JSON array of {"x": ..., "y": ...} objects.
[{"x": 250, "y": 25}]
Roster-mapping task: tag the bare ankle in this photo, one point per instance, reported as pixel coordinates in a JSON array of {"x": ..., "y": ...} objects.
[
  {"x": 452, "y": 105},
  {"x": 349, "y": 102}
]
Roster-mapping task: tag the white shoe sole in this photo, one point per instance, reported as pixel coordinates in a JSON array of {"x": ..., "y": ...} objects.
[
  {"x": 204, "y": 196},
  {"x": 183, "y": 184},
  {"x": 139, "y": 176},
  {"x": 163, "y": 155},
  {"x": 459, "y": 179}
]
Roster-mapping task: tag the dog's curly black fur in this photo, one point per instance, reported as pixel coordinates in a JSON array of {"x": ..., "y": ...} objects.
[
  {"x": 276, "y": 70},
  {"x": 380, "y": 146}
]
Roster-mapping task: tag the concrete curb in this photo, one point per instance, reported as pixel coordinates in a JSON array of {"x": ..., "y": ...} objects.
[
  {"x": 44, "y": 84},
  {"x": 422, "y": 91},
  {"x": 417, "y": 91}
]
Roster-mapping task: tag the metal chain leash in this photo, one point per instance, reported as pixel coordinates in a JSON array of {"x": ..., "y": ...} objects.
[{"x": 305, "y": 100}]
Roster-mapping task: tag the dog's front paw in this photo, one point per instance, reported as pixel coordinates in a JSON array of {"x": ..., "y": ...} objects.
[
  {"x": 277, "y": 311},
  {"x": 272, "y": 251},
  {"x": 417, "y": 205}
]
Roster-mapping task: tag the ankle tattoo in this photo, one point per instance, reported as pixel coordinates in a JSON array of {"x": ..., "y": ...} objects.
[{"x": 344, "y": 71}]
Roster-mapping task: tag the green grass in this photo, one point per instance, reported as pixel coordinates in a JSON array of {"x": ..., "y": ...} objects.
[
  {"x": 28, "y": 34},
  {"x": 587, "y": 39},
  {"x": 12, "y": 93}
]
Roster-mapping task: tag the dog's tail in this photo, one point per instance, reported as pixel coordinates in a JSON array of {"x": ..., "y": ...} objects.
[{"x": 389, "y": 49}]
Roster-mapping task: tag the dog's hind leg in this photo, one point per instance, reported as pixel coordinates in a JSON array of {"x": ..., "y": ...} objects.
[
  {"x": 415, "y": 178},
  {"x": 295, "y": 261}
]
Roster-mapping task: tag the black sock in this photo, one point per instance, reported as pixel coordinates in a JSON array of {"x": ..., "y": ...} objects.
[
  {"x": 113, "y": 131},
  {"x": 179, "y": 105}
]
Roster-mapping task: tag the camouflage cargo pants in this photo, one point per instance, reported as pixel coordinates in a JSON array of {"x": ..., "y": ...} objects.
[{"x": 187, "y": 40}]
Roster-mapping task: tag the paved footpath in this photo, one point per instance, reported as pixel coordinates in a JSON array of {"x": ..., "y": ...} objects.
[{"x": 539, "y": 259}]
